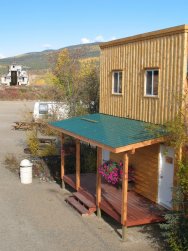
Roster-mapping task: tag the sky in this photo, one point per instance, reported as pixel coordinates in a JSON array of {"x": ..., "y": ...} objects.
[{"x": 37, "y": 25}]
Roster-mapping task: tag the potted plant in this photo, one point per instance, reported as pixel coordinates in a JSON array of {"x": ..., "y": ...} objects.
[{"x": 112, "y": 172}]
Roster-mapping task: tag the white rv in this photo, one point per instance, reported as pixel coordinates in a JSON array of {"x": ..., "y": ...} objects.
[
  {"x": 15, "y": 76},
  {"x": 50, "y": 110}
]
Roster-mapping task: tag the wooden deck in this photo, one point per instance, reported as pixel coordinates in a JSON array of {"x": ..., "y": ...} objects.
[{"x": 140, "y": 210}]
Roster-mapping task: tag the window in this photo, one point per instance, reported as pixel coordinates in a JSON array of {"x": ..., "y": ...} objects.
[
  {"x": 43, "y": 108},
  {"x": 152, "y": 79},
  {"x": 117, "y": 82}
]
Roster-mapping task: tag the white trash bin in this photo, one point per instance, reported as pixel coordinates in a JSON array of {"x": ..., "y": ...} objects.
[{"x": 26, "y": 171}]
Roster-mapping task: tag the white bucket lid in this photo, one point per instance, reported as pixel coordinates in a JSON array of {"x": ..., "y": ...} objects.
[{"x": 25, "y": 163}]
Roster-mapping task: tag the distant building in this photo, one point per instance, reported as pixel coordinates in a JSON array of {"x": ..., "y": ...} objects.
[{"x": 15, "y": 76}]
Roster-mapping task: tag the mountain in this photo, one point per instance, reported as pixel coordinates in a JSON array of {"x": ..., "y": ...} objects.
[{"x": 37, "y": 61}]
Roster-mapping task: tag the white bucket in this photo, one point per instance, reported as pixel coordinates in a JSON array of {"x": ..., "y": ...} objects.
[{"x": 26, "y": 172}]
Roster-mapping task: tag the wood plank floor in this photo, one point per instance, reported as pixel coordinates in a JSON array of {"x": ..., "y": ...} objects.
[{"x": 140, "y": 210}]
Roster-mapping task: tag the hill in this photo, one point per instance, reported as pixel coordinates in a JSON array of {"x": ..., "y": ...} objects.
[{"x": 38, "y": 61}]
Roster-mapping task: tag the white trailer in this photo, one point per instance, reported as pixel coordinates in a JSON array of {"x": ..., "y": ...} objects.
[{"x": 50, "y": 110}]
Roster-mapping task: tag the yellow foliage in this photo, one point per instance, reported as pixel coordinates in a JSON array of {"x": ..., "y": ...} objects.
[
  {"x": 51, "y": 79},
  {"x": 87, "y": 68},
  {"x": 48, "y": 150},
  {"x": 33, "y": 143},
  {"x": 91, "y": 59},
  {"x": 40, "y": 150},
  {"x": 40, "y": 82},
  {"x": 79, "y": 81}
]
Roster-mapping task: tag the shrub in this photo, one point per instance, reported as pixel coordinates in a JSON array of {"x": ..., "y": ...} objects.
[
  {"x": 175, "y": 230},
  {"x": 47, "y": 150},
  {"x": 11, "y": 162},
  {"x": 33, "y": 143}
]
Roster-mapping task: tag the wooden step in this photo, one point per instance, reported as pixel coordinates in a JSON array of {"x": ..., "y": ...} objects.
[
  {"x": 87, "y": 203},
  {"x": 88, "y": 195},
  {"x": 77, "y": 205}
]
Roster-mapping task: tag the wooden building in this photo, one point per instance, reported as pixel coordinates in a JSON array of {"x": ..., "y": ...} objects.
[
  {"x": 164, "y": 53},
  {"x": 142, "y": 80}
]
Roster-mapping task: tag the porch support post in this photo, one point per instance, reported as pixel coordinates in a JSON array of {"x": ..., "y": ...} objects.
[
  {"x": 62, "y": 161},
  {"x": 98, "y": 185},
  {"x": 124, "y": 195},
  {"x": 77, "y": 165}
]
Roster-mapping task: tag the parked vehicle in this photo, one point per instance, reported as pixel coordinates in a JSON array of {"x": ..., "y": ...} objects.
[{"x": 50, "y": 109}]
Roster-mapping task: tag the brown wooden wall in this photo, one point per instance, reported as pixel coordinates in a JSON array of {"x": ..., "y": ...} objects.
[
  {"x": 146, "y": 164},
  {"x": 168, "y": 52}
]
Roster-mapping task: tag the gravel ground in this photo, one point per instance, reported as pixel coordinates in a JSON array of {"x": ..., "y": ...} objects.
[{"x": 36, "y": 217}]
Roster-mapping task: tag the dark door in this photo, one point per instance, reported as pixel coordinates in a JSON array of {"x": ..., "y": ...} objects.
[{"x": 13, "y": 78}]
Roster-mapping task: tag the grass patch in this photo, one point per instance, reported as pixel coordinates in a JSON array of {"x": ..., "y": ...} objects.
[{"x": 12, "y": 163}]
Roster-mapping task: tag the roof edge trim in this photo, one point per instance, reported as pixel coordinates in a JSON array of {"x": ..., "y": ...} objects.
[{"x": 146, "y": 36}]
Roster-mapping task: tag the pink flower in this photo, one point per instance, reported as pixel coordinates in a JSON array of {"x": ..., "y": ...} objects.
[{"x": 111, "y": 171}]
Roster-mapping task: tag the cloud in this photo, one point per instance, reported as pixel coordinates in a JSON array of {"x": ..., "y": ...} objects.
[
  {"x": 46, "y": 46},
  {"x": 113, "y": 38},
  {"x": 99, "y": 38},
  {"x": 2, "y": 56},
  {"x": 85, "y": 40}
]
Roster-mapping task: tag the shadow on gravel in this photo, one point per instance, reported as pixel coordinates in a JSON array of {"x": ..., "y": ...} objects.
[
  {"x": 152, "y": 232},
  {"x": 114, "y": 224},
  {"x": 154, "y": 235}
]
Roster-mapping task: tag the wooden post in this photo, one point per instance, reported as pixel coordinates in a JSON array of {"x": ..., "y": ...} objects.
[
  {"x": 98, "y": 185},
  {"x": 62, "y": 161},
  {"x": 124, "y": 194},
  {"x": 77, "y": 165}
]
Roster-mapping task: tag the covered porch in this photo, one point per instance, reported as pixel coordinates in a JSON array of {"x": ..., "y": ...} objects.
[
  {"x": 118, "y": 136},
  {"x": 140, "y": 210}
]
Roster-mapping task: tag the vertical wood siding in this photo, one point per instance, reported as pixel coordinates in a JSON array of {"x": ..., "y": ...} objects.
[
  {"x": 169, "y": 53},
  {"x": 145, "y": 162}
]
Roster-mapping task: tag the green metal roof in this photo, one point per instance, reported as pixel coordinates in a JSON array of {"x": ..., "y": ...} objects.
[{"x": 107, "y": 130}]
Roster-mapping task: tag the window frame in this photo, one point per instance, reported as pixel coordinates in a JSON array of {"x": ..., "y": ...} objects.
[
  {"x": 145, "y": 83},
  {"x": 43, "y": 111},
  {"x": 113, "y": 73}
]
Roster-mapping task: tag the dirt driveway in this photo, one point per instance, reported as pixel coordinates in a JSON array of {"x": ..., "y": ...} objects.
[{"x": 36, "y": 217}]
